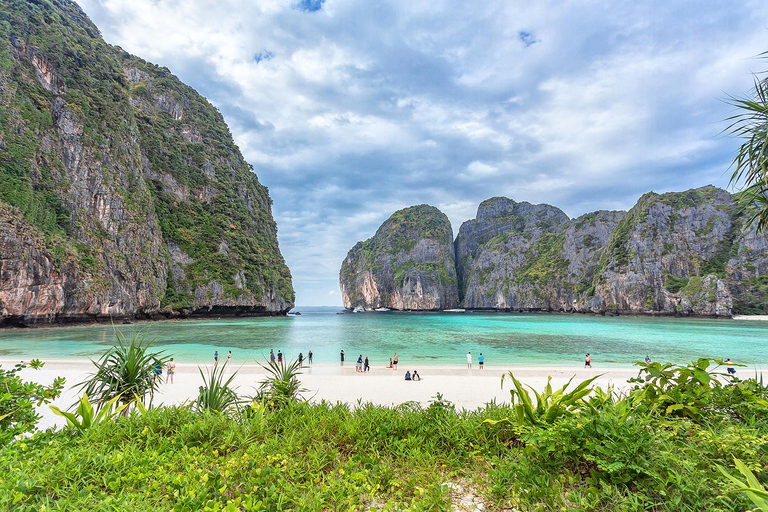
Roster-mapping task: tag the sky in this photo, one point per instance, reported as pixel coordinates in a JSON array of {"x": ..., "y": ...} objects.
[{"x": 351, "y": 110}]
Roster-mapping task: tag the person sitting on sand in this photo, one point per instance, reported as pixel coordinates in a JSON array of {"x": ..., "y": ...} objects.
[
  {"x": 416, "y": 375},
  {"x": 170, "y": 370},
  {"x": 407, "y": 375}
]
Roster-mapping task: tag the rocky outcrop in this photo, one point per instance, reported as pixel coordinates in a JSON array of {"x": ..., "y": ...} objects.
[
  {"x": 680, "y": 253},
  {"x": 120, "y": 184},
  {"x": 408, "y": 264},
  {"x": 519, "y": 256},
  {"x": 683, "y": 253}
]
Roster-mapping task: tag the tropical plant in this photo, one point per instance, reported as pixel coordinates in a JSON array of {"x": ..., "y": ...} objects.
[
  {"x": 752, "y": 488},
  {"x": 18, "y": 399},
  {"x": 125, "y": 371},
  {"x": 87, "y": 416},
  {"x": 751, "y": 162},
  {"x": 675, "y": 390},
  {"x": 217, "y": 394},
  {"x": 550, "y": 405},
  {"x": 281, "y": 386}
]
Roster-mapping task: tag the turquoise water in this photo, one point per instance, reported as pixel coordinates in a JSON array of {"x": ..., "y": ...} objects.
[{"x": 426, "y": 339}]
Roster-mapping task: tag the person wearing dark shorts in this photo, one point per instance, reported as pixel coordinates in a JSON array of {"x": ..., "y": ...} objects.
[
  {"x": 394, "y": 361},
  {"x": 342, "y": 358}
]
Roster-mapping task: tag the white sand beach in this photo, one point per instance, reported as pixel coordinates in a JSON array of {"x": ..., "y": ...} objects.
[
  {"x": 762, "y": 318},
  {"x": 468, "y": 389}
]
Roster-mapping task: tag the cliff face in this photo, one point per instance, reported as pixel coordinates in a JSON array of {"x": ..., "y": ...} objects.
[
  {"x": 123, "y": 193},
  {"x": 685, "y": 253},
  {"x": 407, "y": 265},
  {"x": 532, "y": 257}
]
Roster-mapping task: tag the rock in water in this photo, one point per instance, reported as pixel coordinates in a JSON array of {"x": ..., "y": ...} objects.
[
  {"x": 407, "y": 265},
  {"x": 123, "y": 193},
  {"x": 680, "y": 253}
]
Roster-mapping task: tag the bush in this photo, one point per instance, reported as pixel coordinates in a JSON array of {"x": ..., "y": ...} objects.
[{"x": 18, "y": 399}]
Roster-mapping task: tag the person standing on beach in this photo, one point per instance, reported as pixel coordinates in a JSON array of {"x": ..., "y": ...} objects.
[
  {"x": 170, "y": 370},
  {"x": 158, "y": 371},
  {"x": 729, "y": 366},
  {"x": 366, "y": 365},
  {"x": 342, "y": 358},
  {"x": 272, "y": 356},
  {"x": 309, "y": 358},
  {"x": 480, "y": 360},
  {"x": 359, "y": 364},
  {"x": 215, "y": 358},
  {"x": 394, "y": 362},
  {"x": 469, "y": 360},
  {"x": 229, "y": 360},
  {"x": 588, "y": 361},
  {"x": 301, "y": 359},
  {"x": 279, "y": 357},
  {"x": 647, "y": 359}
]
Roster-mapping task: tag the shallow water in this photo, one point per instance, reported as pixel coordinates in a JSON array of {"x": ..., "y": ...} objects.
[{"x": 423, "y": 338}]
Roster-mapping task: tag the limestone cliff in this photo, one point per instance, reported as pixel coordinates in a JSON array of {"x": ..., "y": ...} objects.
[
  {"x": 123, "y": 193},
  {"x": 683, "y": 253},
  {"x": 407, "y": 265},
  {"x": 531, "y": 257}
]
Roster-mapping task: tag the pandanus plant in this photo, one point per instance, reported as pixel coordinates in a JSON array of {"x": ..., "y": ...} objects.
[{"x": 125, "y": 371}]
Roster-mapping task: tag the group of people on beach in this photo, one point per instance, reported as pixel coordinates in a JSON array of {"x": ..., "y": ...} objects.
[
  {"x": 480, "y": 360},
  {"x": 300, "y": 358},
  {"x": 170, "y": 370}
]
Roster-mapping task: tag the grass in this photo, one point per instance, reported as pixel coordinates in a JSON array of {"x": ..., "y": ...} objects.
[{"x": 611, "y": 453}]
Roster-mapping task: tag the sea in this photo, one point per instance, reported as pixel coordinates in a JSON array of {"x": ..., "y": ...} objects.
[{"x": 427, "y": 339}]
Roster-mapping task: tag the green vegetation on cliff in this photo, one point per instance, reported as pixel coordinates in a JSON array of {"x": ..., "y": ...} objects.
[{"x": 80, "y": 118}]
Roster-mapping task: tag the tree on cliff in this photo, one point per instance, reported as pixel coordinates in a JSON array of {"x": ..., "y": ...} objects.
[{"x": 751, "y": 162}]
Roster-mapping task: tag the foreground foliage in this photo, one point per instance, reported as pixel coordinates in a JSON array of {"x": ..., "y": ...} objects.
[
  {"x": 125, "y": 372},
  {"x": 612, "y": 452},
  {"x": 18, "y": 399},
  {"x": 751, "y": 162}
]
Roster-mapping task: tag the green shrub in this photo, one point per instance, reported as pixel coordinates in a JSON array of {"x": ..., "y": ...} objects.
[{"x": 18, "y": 399}]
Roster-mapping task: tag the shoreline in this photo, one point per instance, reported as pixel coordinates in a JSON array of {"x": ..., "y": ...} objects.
[
  {"x": 467, "y": 389},
  {"x": 129, "y": 320}
]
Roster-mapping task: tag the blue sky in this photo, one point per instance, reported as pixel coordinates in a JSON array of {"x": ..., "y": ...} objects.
[{"x": 351, "y": 110}]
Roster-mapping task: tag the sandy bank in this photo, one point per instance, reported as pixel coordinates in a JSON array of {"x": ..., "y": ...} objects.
[
  {"x": 468, "y": 389},
  {"x": 751, "y": 317}
]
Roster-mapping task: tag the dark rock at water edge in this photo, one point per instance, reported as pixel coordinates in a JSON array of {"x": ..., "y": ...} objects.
[{"x": 123, "y": 194}]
